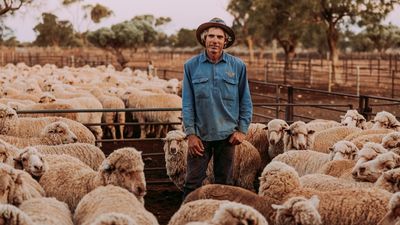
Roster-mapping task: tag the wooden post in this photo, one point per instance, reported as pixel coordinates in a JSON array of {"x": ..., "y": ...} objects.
[
  {"x": 266, "y": 71},
  {"x": 393, "y": 75},
  {"x": 379, "y": 70},
  {"x": 358, "y": 80},
  {"x": 329, "y": 77},
  {"x": 72, "y": 61},
  {"x": 2, "y": 59}
]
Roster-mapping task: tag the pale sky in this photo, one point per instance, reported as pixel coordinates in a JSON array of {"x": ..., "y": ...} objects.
[{"x": 184, "y": 14}]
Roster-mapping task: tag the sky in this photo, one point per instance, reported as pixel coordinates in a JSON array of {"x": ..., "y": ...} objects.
[{"x": 187, "y": 14}]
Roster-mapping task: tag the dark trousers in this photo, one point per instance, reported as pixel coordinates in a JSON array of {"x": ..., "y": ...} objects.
[{"x": 223, "y": 155}]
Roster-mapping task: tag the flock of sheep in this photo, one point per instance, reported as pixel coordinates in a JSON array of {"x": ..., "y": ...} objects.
[{"x": 52, "y": 172}]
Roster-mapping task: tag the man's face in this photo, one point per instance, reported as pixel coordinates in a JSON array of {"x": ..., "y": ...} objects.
[{"x": 215, "y": 40}]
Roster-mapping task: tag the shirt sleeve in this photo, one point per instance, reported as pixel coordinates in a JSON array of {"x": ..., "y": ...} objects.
[
  {"x": 245, "y": 103},
  {"x": 188, "y": 111}
]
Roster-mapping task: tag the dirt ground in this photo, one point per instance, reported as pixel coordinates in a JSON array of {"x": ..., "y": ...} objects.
[{"x": 163, "y": 200}]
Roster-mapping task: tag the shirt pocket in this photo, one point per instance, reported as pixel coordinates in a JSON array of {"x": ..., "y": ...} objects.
[
  {"x": 229, "y": 89},
  {"x": 201, "y": 87}
]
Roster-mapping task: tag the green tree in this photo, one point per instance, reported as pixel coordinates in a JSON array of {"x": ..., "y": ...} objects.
[
  {"x": 52, "y": 32},
  {"x": 186, "y": 38}
]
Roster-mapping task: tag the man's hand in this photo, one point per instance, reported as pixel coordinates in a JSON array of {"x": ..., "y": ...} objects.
[
  {"x": 195, "y": 145},
  {"x": 237, "y": 138}
]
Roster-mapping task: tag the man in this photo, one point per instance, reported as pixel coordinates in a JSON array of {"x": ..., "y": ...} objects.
[{"x": 216, "y": 105}]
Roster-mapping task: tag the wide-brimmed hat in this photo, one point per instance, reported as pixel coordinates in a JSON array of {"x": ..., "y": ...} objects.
[{"x": 216, "y": 22}]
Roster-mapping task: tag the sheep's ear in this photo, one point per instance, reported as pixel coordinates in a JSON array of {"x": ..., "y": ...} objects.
[
  {"x": 395, "y": 126},
  {"x": 331, "y": 149},
  {"x": 360, "y": 120},
  {"x": 388, "y": 177},
  {"x": 288, "y": 131},
  {"x": 311, "y": 131},
  {"x": 314, "y": 200},
  {"x": 18, "y": 179},
  {"x": 276, "y": 207},
  {"x": 372, "y": 121},
  {"x": 265, "y": 128},
  {"x": 107, "y": 167},
  {"x": 18, "y": 163}
]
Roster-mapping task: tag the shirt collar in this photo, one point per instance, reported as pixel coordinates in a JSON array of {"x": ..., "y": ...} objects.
[{"x": 203, "y": 57}]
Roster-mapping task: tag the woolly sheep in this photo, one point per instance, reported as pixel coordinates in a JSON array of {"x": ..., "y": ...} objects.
[
  {"x": 371, "y": 170},
  {"x": 11, "y": 124},
  {"x": 392, "y": 217},
  {"x": 47, "y": 211},
  {"x": 257, "y": 135},
  {"x": 322, "y": 125},
  {"x": 246, "y": 163},
  {"x": 353, "y": 119},
  {"x": 323, "y": 182},
  {"x": 297, "y": 136},
  {"x": 276, "y": 128},
  {"x": 386, "y": 120},
  {"x": 110, "y": 199},
  {"x": 340, "y": 168},
  {"x": 11, "y": 215},
  {"x": 124, "y": 167},
  {"x": 357, "y": 134},
  {"x": 361, "y": 140},
  {"x": 17, "y": 186},
  {"x": 389, "y": 180},
  {"x": 114, "y": 219},
  {"x": 361, "y": 206},
  {"x": 215, "y": 212},
  {"x": 47, "y": 106},
  {"x": 326, "y": 138},
  {"x": 53, "y": 134},
  {"x": 298, "y": 211},
  {"x": 89, "y": 154},
  {"x": 392, "y": 142}
]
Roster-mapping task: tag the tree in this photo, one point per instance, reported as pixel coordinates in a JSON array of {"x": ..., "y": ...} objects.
[
  {"x": 7, "y": 6},
  {"x": 52, "y": 32},
  {"x": 186, "y": 38}
]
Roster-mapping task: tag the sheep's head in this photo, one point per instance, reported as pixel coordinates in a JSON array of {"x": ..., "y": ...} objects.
[
  {"x": 58, "y": 133},
  {"x": 175, "y": 145},
  {"x": 369, "y": 151},
  {"x": 394, "y": 204},
  {"x": 298, "y": 136},
  {"x": 389, "y": 180},
  {"x": 386, "y": 120},
  {"x": 391, "y": 140},
  {"x": 343, "y": 150},
  {"x": 277, "y": 180},
  {"x": 298, "y": 211},
  {"x": 276, "y": 128},
  {"x": 114, "y": 218},
  {"x": 7, "y": 118},
  {"x": 124, "y": 167},
  {"x": 47, "y": 98},
  {"x": 7, "y": 153},
  {"x": 371, "y": 170},
  {"x": 233, "y": 213},
  {"x": 32, "y": 162},
  {"x": 11, "y": 215},
  {"x": 353, "y": 119}
]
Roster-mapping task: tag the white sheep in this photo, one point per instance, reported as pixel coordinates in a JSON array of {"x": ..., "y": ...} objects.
[
  {"x": 353, "y": 118},
  {"x": 392, "y": 142},
  {"x": 55, "y": 133},
  {"x": 276, "y": 129},
  {"x": 386, "y": 120},
  {"x": 361, "y": 140},
  {"x": 389, "y": 180},
  {"x": 392, "y": 217},
  {"x": 47, "y": 211},
  {"x": 114, "y": 219},
  {"x": 325, "y": 139},
  {"x": 360, "y": 133},
  {"x": 297, "y": 136},
  {"x": 109, "y": 199},
  {"x": 257, "y": 135},
  {"x": 11, "y": 124},
  {"x": 298, "y": 211},
  {"x": 216, "y": 212},
  {"x": 323, "y": 182},
  {"x": 124, "y": 167},
  {"x": 317, "y": 125},
  {"x": 12, "y": 215},
  {"x": 246, "y": 163}
]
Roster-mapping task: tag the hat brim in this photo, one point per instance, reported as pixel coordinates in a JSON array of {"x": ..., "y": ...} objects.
[{"x": 207, "y": 25}]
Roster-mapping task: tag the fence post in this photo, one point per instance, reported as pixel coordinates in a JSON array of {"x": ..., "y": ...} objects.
[
  {"x": 358, "y": 80},
  {"x": 266, "y": 71},
  {"x": 363, "y": 106},
  {"x": 72, "y": 61},
  {"x": 393, "y": 76},
  {"x": 289, "y": 107},
  {"x": 329, "y": 76}
]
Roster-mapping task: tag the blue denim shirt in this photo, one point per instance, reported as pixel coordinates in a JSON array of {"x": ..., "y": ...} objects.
[{"x": 216, "y": 98}]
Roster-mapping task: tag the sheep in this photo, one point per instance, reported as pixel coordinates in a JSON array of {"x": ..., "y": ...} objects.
[
  {"x": 347, "y": 206},
  {"x": 47, "y": 106},
  {"x": 309, "y": 161},
  {"x": 246, "y": 163},
  {"x": 325, "y": 139},
  {"x": 11, "y": 215},
  {"x": 12, "y": 125},
  {"x": 53, "y": 134},
  {"x": 17, "y": 186},
  {"x": 338, "y": 168},
  {"x": 114, "y": 219},
  {"x": 111, "y": 102},
  {"x": 276, "y": 128},
  {"x": 89, "y": 154},
  {"x": 386, "y": 120},
  {"x": 257, "y": 135},
  {"x": 216, "y": 212},
  {"x": 371, "y": 170},
  {"x": 297, "y": 136},
  {"x": 316, "y": 125},
  {"x": 389, "y": 180},
  {"x": 323, "y": 182},
  {"x": 47, "y": 211},
  {"x": 124, "y": 167},
  {"x": 392, "y": 142},
  {"x": 361, "y": 140},
  {"x": 355, "y": 135},
  {"x": 298, "y": 211},
  {"x": 354, "y": 119},
  {"x": 109, "y": 199},
  {"x": 392, "y": 217}
]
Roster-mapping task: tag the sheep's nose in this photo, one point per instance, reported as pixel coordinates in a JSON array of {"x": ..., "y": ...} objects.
[
  {"x": 354, "y": 173},
  {"x": 74, "y": 139},
  {"x": 302, "y": 147},
  {"x": 173, "y": 150},
  {"x": 141, "y": 191},
  {"x": 38, "y": 167},
  {"x": 272, "y": 142}
]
